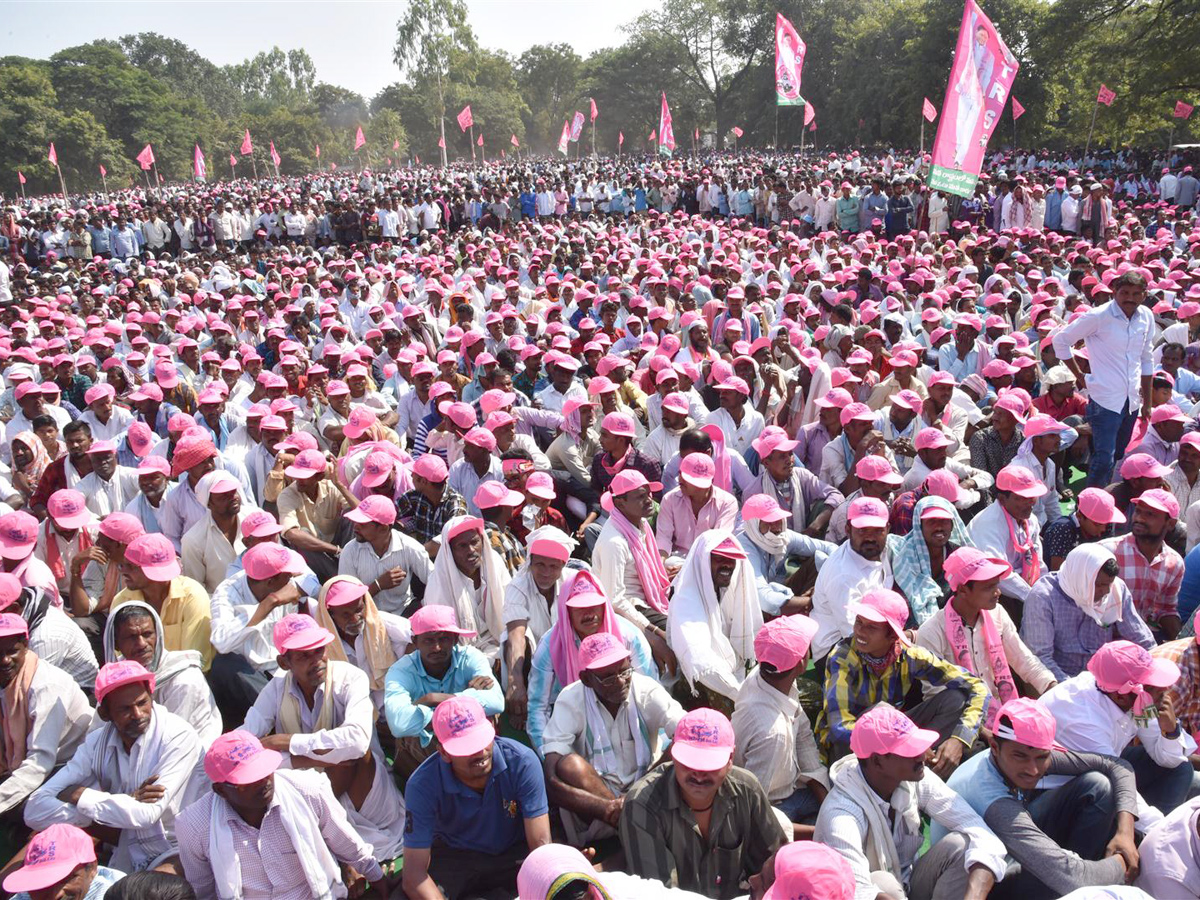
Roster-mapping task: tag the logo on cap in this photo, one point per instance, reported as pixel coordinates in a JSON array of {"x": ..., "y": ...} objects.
[
  {"x": 700, "y": 733},
  {"x": 460, "y": 721},
  {"x": 240, "y": 751}
]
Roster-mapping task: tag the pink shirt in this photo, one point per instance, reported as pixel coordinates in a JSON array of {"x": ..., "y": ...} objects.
[{"x": 677, "y": 527}]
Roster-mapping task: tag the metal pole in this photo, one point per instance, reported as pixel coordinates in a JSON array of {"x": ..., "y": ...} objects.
[
  {"x": 22, "y": 193},
  {"x": 104, "y": 181},
  {"x": 472, "y": 142},
  {"x": 442, "y": 117},
  {"x": 1091, "y": 128},
  {"x": 802, "y": 130}
]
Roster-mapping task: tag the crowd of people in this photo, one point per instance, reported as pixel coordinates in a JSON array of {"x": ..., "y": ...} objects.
[{"x": 751, "y": 524}]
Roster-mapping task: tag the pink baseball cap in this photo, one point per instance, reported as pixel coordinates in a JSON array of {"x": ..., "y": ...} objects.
[
  {"x": 68, "y": 509},
  {"x": 940, "y": 378},
  {"x": 764, "y": 507},
  {"x": 885, "y": 607},
  {"x": 431, "y": 467},
  {"x": 600, "y": 650},
  {"x": 259, "y": 524},
  {"x": 360, "y": 421},
  {"x": 10, "y": 590},
  {"x": 140, "y": 438},
  {"x": 585, "y": 590},
  {"x": 877, "y": 468},
  {"x": 771, "y": 439},
  {"x": 51, "y": 857},
  {"x": 698, "y": 470},
  {"x": 620, "y": 424},
  {"x": 345, "y": 591},
  {"x": 630, "y": 480},
  {"x": 942, "y": 483},
  {"x": 377, "y": 468},
  {"x": 306, "y": 464},
  {"x": 491, "y": 494},
  {"x": 675, "y": 402},
  {"x": 1163, "y": 501},
  {"x": 1029, "y": 723},
  {"x": 1012, "y": 404},
  {"x": 98, "y": 392},
  {"x": 703, "y": 740},
  {"x": 155, "y": 555},
  {"x": 784, "y": 641},
  {"x": 1099, "y": 506},
  {"x": 297, "y": 631},
  {"x": 1143, "y": 465},
  {"x": 18, "y": 534},
  {"x": 867, "y": 512},
  {"x": 436, "y": 617},
  {"x": 540, "y": 484},
  {"x": 118, "y": 674},
  {"x": 1123, "y": 667},
  {"x": 968, "y": 564},
  {"x": 931, "y": 439},
  {"x": 238, "y": 757},
  {"x": 839, "y": 397},
  {"x": 461, "y": 414},
  {"x": 121, "y": 527},
  {"x": 461, "y": 726},
  {"x": 268, "y": 559},
  {"x": 806, "y": 870},
  {"x": 909, "y": 400},
  {"x": 1168, "y": 412},
  {"x": 1020, "y": 481},
  {"x": 998, "y": 368},
  {"x": 856, "y": 412},
  {"x": 734, "y": 383},
  {"x": 11, "y": 623},
  {"x": 482, "y": 438},
  {"x": 495, "y": 399},
  {"x": 375, "y": 508},
  {"x": 884, "y": 729}
]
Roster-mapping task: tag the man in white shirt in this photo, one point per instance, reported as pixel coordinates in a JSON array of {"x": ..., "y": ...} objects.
[
  {"x": 1008, "y": 529},
  {"x": 108, "y": 422},
  {"x": 932, "y": 446},
  {"x": 108, "y": 487},
  {"x": 739, "y": 422},
  {"x": 382, "y": 558}
]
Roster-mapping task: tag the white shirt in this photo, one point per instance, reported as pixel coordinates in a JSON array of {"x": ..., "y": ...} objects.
[
  {"x": 614, "y": 568},
  {"x": 738, "y": 437},
  {"x": 841, "y": 583},
  {"x": 103, "y": 497},
  {"x": 989, "y": 531},
  {"x": 358, "y": 558},
  {"x": 207, "y": 553},
  {"x": 57, "y": 640},
  {"x": 399, "y": 633},
  {"x": 118, "y": 423},
  {"x": 775, "y": 739},
  {"x": 1119, "y": 353},
  {"x": 232, "y": 607},
  {"x": 968, "y": 497}
]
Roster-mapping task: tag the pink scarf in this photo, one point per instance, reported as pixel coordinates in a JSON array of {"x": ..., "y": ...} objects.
[
  {"x": 564, "y": 645},
  {"x": 651, "y": 572},
  {"x": 54, "y": 558},
  {"x": 956, "y": 633},
  {"x": 723, "y": 479},
  {"x": 1031, "y": 564}
]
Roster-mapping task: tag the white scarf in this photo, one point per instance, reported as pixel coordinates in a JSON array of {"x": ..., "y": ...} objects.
[
  {"x": 880, "y": 849},
  {"x": 480, "y": 610},
  {"x": 320, "y": 868},
  {"x": 603, "y": 754},
  {"x": 1077, "y": 579},
  {"x": 774, "y": 545}
]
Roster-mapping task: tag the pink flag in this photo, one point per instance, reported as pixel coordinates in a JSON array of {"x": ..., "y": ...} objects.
[
  {"x": 247, "y": 147},
  {"x": 146, "y": 157},
  {"x": 812, "y": 127},
  {"x": 620, "y": 138},
  {"x": 318, "y": 151},
  {"x": 564, "y": 139},
  {"x": 232, "y": 160},
  {"x": 503, "y": 155},
  {"x": 737, "y": 132},
  {"x": 577, "y": 126},
  {"x": 789, "y": 60},
  {"x": 103, "y": 171},
  {"x": 198, "y": 167},
  {"x": 52, "y": 155},
  {"x": 275, "y": 157},
  {"x": 514, "y": 141},
  {"x": 810, "y": 113},
  {"x": 479, "y": 140},
  {"x": 1182, "y": 110},
  {"x": 21, "y": 177},
  {"x": 929, "y": 111},
  {"x": 696, "y": 134},
  {"x": 595, "y": 112},
  {"x": 464, "y": 118},
  {"x": 396, "y": 144},
  {"x": 442, "y": 142},
  {"x": 359, "y": 140},
  {"x": 1018, "y": 109},
  {"x": 332, "y": 167},
  {"x": 653, "y": 135},
  {"x": 1106, "y": 96},
  {"x": 666, "y": 134},
  {"x": 389, "y": 161}
]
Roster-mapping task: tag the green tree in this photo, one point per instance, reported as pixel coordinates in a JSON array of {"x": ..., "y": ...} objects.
[{"x": 550, "y": 79}]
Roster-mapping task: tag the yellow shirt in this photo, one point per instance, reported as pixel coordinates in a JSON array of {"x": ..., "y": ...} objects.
[
  {"x": 186, "y": 616},
  {"x": 319, "y": 518}
]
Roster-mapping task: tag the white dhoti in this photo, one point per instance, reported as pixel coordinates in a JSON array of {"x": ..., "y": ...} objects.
[{"x": 380, "y": 821}]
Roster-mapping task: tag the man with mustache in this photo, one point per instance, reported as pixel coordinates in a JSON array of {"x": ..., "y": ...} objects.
[
  {"x": 130, "y": 779},
  {"x": 699, "y": 822}
]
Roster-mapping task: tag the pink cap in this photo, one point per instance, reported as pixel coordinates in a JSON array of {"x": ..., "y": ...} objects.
[
  {"x": 585, "y": 590},
  {"x": 238, "y": 757},
  {"x": 121, "y": 527},
  {"x": 118, "y": 674},
  {"x": 18, "y": 535},
  {"x": 942, "y": 483},
  {"x": 540, "y": 484},
  {"x": 154, "y": 464},
  {"x": 360, "y": 421},
  {"x": 10, "y": 590},
  {"x": 884, "y": 729},
  {"x": 1123, "y": 667},
  {"x": 703, "y": 740},
  {"x": 461, "y": 414},
  {"x": 729, "y": 548},
  {"x": 1011, "y": 403},
  {"x": 268, "y": 559},
  {"x": 940, "y": 378},
  {"x": 306, "y": 464},
  {"x": 98, "y": 392},
  {"x": 336, "y": 388},
  {"x": 140, "y": 438},
  {"x": 998, "y": 368},
  {"x": 1143, "y": 465},
  {"x": 885, "y": 607},
  {"x": 909, "y": 400},
  {"x": 675, "y": 402},
  {"x": 968, "y": 564},
  {"x": 630, "y": 480},
  {"x": 784, "y": 641},
  {"x": 764, "y": 507},
  {"x": 1020, "y": 481},
  {"x": 465, "y": 524},
  {"x": 931, "y": 439},
  {"x": 601, "y": 650},
  {"x": 773, "y": 439},
  {"x": 839, "y": 397},
  {"x": 867, "y": 512},
  {"x": 877, "y": 468},
  {"x": 734, "y": 383},
  {"x": 1039, "y": 424},
  {"x": 482, "y": 438},
  {"x": 11, "y": 623},
  {"x": 495, "y": 399},
  {"x": 431, "y": 467},
  {"x": 68, "y": 509},
  {"x": 856, "y": 412},
  {"x": 806, "y": 870},
  {"x": 491, "y": 494},
  {"x": 1163, "y": 501},
  {"x": 344, "y": 592},
  {"x": 698, "y": 470},
  {"x": 377, "y": 468},
  {"x": 155, "y": 555},
  {"x": 550, "y": 549},
  {"x": 259, "y": 524},
  {"x": 620, "y": 424},
  {"x": 375, "y": 508},
  {"x": 1099, "y": 506},
  {"x": 1168, "y": 412},
  {"x": 51, "y": 857},
  {"x": 436, "y": 617},
  {"x": 461, "y": 726},
  {"x": 1029, "y": 723},
  {"x": 297, "y": 631}
]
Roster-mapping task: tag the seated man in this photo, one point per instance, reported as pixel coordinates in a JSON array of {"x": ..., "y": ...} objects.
[
  {"x": 60, "y": 862},
  {"x": 879, "y": 665},
  {"x": 132, "y": 776},
  {"x": 96, "y": 572},
  {"x": 470, "y": 576},
  {"x": 1168, "y": 857},
  {"x": 1008, "y": 530},
  {"x": 444, "y": 665},
  {"x": 475, "y": 810},
  {"x": 135, "y": 632},
  {"x": 319, "y": 713},
  {"x": 44, "y": 716},
  {"x": 695, "y": 506},
  {"x": 108, "y": 487},
  {"x": 699, "y": 822},
  {"x": 876, "y": 477},
  {"x": 1095, "y": 514},
  {"x": 383, "y": 558},
  {"x": 775, "y": 739},
  {"x": 931, "y": 445},
  {"x": 1072, "y": 613},
  {"x": 1122, "y": 695},
  {"x": 497, "y": 503},
  {"x": 18, "y": 540},
  {"x": 262, "y": 833},
  {"x": 768, "y": 544},
  {"x": 1151, "y": 569},
  {"x": 312, "y": 512},
  {"x": 1080, "y": 833},
  {"x": 872, "y": 816},
  {"x": 54, "y": 636},
  {"x": 215, "y": 540},
  {"x": 426, "y": 509},
  {"x": 797, "y": 489},
  {"x": 67, "y": 532},
  {"x": 602, "y": 737}
]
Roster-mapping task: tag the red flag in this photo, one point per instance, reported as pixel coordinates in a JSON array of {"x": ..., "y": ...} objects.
[
  {"x": 595, "y": 112},
  {"x": 103, "y": 171},
  {"x": 442, "y": 142},
  {"x": 247, "y": 147},
  {"x": 389, "y": 162},
  {"x": 620, "y": 138},
  {"x": 1106, "y": 96},
  {"x": 479, "y": 140},
  {"x": 812, "y": 127},
  {"x": 929, "y": 111},
  {"x": 146, "y": 157},
  {"x": 737, "y": 132},
  {"x": 564, "y": 139},
  {"x": 810, "y": 113},
  {"x": 514, "y": 141},
  {"x": 359, "y": 140},
  {"x": 464, "y": 118},
  {"x": 318, "y": 151},
  {"x": 52, "y": 155},
  {"x": 1182, "y": 110},
  {"x": 21, "y": 177},
  {"x": 1018, "y": 109},
  {"x": 332, "y": 166},
  {"x": 396, "y": 144},
  {"x": 275, "y": 158},
  {"x": 232, "y": 160},
  {"x": 418, "y": 160}
]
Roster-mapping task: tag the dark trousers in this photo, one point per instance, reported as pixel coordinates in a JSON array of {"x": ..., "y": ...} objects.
[
  {"x": 1162, "y": 788},
  {"x": 941, "y": 713},
  {"x": 235, "y": 685},
  {"x": 1111, "y": 433},
  {"x": 468, "y": 874}
]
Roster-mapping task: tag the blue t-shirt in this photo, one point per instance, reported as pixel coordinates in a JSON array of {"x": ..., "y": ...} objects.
[
  {"x": 440, "y": 806},
  {"x": 980, "y": 783}
]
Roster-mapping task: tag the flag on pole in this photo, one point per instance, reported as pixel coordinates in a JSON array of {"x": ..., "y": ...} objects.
[
  {"x": 146, "y": 157},
  {"x": 503, "y": 155},
  {"x": 479, "y": 140},
  {"x": 789, "y": 60},
  {"x": 103, "y": 171},
  {"x": 464, "y": 118},
  {"x": 247, "y": 147},
  {"x": 810, "y": 113},
  {"x": 595, "y": 112},
  {"x": 359, "y": 140},
  {"x": 513, "y": 140},
  {"x": 576, "y": 126},
  {"x": 813, "y": 126},
  {"x": 1018, "y": 109},
  {"x": 1182, "y": 110},
  {"x": 666, "y": 134},
  {"x": 653, "y": 135},
  {"x": 1106, "y": 96},
  {"x": 318, "y": 151},
  {"x": 52, "y": 155},
  {"x": 275, "y": 157},
  {"x": 232, "y": 160},
  {"x": 199, "y": 169},
  {"x": 21, "y": 177},
  {"x": 696, "y": 134},
  {"x": 564, "y": 139},
  {"x": 737, "y": 132},
  {"x": 442, "y": 143},
  {"x": 620, "y": 138},
  {"x": 929, "y": 111}
]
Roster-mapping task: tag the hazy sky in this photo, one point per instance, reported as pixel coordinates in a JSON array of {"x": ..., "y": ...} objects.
[{"x": 350, "y": 41}]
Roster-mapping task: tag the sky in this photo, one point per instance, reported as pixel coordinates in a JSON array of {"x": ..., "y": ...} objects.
[{"x": 350, "y": 41}]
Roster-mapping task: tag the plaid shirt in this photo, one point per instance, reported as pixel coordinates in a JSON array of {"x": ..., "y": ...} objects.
[
  {"x": 1154, "y": 584},
  {"x": 901, "y": 518},
  {"x": 1185, "y": 693},
  {"x": 851, "y": 689},
  {"x": 426, "y": 519},
  {"x": 504, "y": 543}
]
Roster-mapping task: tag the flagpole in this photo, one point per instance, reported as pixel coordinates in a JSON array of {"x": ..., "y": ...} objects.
[
  {"x": 472, "y": 140},
  {"x": 593, "y": 138},
  {"x": 61, "y": 182},
  {"x": 802, "y": 130},
  {"x": 254, "y": 164},
  {"x": 154, "y": 165},
  {"x": 776, "y": 124},
  {"x": 923, "y": 133},
  {"x": 1091, "y": 128},
  {"x": 104, "y": 181}
]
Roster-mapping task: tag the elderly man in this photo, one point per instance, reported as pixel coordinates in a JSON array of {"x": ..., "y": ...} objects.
[
  {"x": 796, "y": 489},
  {"x": 108, "y": 487},
  {"x": 768, "y": 544}
]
